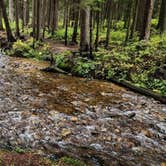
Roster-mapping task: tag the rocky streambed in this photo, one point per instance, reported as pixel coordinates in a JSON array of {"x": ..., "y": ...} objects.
[{"x": 98, "y": 122}]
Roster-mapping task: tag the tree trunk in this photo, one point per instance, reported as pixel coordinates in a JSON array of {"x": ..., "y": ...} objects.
[
  {"x": 26, "y": 12},
  {"x": 34, "y": 22},
  {"x": 145, "y": 33},
  {"x": 67, "y": 22},
  {"x": 38, "y": 19},
  {"x": 108, "y": 26},
  {"x": 85, "y": 28},
  {"x": 130, "y": 5},
  {"x": 8, "y": 29},
  {"x": 11, "y": 10},
  {"x": 54, "y": 16},
  {"x": 17, "y": 19},
  {"x": 162, "y": 17},
  {"x": 91, "y": 35},
  {"x": 135, "y": 17},
  {"x": 76, "y": 14},
  {"x": 43, "y": 17},
  {"x": 1, "y": 24},
  {"x": 97, "y": 27},
  {"x": 140, "y": 15}
]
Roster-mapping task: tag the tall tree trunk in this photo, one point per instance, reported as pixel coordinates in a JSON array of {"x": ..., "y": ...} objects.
[
  {"x": 140, "y": 15},
  {"x": 49, "y": 14},
  {"x": 135, "y": 17},
  {"x": 34, "y": 20},
  {"x": 97, "y": 27},
  {"x": 44, "y": 16},
  {"x": 54, "y": 16},
  {"x": 145, "y": 33},
  {"x": 1, "y": 23},
  {"x": 108, "y": 26},
  {"x": 85, "y": 28},
  {"x": 26, "y": 12},
  {"x": 17, "y": 19},
  {"x": 130, "y": 5},
  {"x": 11, "y": 10},
  {"x": 8, "y": 29},
  {"x": 162, "y": 17},
  {"x": 67, "y": 22},
  {"x": 76, "y": 20},
  {"x": 91, "y": 35},
  {"x": 38, "y": 19},
  {"x": 21, "y": 13}
]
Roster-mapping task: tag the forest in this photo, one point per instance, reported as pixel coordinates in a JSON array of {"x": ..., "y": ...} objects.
[{"x": 83, "y": 81}]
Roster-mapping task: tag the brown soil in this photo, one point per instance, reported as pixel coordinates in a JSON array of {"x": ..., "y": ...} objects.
[
  {"x": 59, "y": 47},
  {"x": 25, "y": 159}
]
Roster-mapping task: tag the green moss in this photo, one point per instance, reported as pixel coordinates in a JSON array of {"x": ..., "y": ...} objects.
[{"x": 72, "y": 162}]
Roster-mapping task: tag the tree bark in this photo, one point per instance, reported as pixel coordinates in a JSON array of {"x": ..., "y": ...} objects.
[
  {"x": 85, "y": 28},
  {"x": 67, "y": 22},
  {"x": 108, "y": 26},
  {"x": 17, "y": 19},
  {"x": 130, "y": 6},
  {"x": 162, "y": 17},
  {"x": 97, "y": 27},
  {"x": 145, "y": 33},
  {"x": 1, "y": 23},
  {"x": 11, "y": 10},
  {"x": 135, "y": 17},
  {"x": 8, "y": 29},
  {"x": 26, "y": 12},
  {"x": 75, "y": 28},
  {"x": 91, "y": 34},
  {"x": 38, "y": 19},
  {"x": 140, "y": 15}
]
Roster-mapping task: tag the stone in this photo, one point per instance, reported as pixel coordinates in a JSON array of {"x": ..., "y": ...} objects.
[
  {"x": 65, "y": 132},
  {"x": 163, "y": 164},
  {"x": 74, "y": 119},
  {"x": 147, "y": 133}
]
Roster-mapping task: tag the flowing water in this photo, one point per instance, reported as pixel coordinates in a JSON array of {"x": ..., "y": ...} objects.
[{"x": 97, "y": 121}]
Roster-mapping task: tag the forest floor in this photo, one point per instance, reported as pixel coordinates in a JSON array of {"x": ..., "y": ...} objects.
[{"x": 58, "y": 47}]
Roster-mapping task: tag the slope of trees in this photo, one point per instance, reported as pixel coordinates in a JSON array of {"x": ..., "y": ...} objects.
[{"x": 47, "y": 15}]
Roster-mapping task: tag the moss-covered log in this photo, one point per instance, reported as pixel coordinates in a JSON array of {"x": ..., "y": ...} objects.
[{"x": 140, "y": 90}]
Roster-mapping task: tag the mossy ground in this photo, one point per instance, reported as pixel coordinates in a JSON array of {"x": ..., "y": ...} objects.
[{"x": 15, "y": 158}]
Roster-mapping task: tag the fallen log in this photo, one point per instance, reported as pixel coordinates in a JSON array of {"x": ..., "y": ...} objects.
[
  {"x": 54, "y": 70},
  {"x": 140, "y": 90}
]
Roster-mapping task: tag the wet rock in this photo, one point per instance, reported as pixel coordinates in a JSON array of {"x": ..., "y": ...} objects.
[
  {"x": 37, "y": 111},
  {"x": 147, "y": 133},
  {"x": 162, "y": 127},
  {"x": 117, "y": 131},
  {"x": 164, "y": 109},
  {"x": 65, "y": 132},
  {"x": 24, "y": 97},
  {"x": 137, "y": 150},
  {"x": 96, "y": 146},
  {"x": 131, "y": 115},
  {"x": 163, "y": 164},
  {"x": 95, "y": 133},
  {"x": 128, "y": 145},
  {"x": 74, "y": 119}
]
